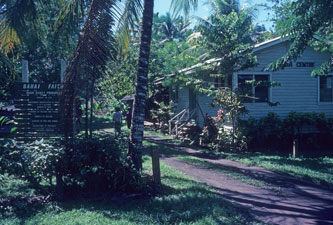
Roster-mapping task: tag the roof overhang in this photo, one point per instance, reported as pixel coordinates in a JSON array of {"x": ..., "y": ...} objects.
[
  {"x": 209, "y": 62},
  {"x": 269, "y": 43}
]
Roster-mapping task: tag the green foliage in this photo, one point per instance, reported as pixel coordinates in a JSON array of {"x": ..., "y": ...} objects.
[
  {"x": 7, "y": 76},
  {"x": 167, "y": 29},
  {"x": 227, "y": 35},
  {"x": 233, "y": 108},
  {"x": 231, "y": 103},
  {"x": 210, "y": 131},
  {"x": 305, "y": 23},
  {"x": 27, "y": 32},
  {"x": 163, "y": 114},
  {"x": 93, "y": 167},
  {"x": 119, "y": 80},
  {"x": 99, "y": 166},
  {"x": 34, "y": 162},
  {"x": 7, "y": 124},
  {"x": 226, "y": 39},
  {"x": 183, "y": 201},
  {"x": 169, "y": 50},
  {"x": 273, "y": 133}
]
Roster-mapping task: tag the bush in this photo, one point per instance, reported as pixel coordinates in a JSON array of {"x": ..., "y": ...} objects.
[
  {"x": 216, "y": 137},
  {"x": 33, "y": 162},
  {"x": 314, "y": 131},
  {"x": 99, "y": 165},
  {"x": 92, "y": 167},
  {"x": 162, "y": 115},
  {"x": 266, "y": 132}
]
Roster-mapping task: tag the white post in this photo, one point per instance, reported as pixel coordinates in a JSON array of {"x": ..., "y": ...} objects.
[
  {"x": 177, "y": 128},
  {"x": 63, "y": 65},
  {"x": 25, "y": 71}
]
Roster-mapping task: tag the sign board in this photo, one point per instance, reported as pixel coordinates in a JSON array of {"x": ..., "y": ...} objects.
[{"x": 38, "y": 114}]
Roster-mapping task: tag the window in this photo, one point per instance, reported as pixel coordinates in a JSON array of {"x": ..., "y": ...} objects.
[
  {"x": 326, "y": 90},
  {"x": 257, "y": 91}
]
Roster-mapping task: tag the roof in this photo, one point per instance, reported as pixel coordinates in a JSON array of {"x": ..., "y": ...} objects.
[
  {"x": 206, "y": 63},
  {"x": 268, "y": 43}
]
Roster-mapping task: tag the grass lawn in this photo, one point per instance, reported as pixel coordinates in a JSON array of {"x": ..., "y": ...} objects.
[
  {"x": 318, "y": 170},
  {"x": 182, "y": 201},
  {"x": 201, "y": 162}
]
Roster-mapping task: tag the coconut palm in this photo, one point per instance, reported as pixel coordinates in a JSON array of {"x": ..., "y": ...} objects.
[
  {"x": 137, "y": 125},
  {"x": 139, "y": 105},
  {"x": 94, "y": 48}
]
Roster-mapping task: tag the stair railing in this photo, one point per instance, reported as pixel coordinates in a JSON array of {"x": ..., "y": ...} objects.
[{"x": 178, "y": 121}]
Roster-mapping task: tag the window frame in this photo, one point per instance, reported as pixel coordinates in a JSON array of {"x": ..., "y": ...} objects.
[
  {"x": 318, "y": 91},
  {"x": 270, "y": 78}
]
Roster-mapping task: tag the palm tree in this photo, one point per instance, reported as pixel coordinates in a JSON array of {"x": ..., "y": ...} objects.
[
  {"x": 139, "y": 105},
  {"x": 137, "y": 125},
  {"x": 94, "y": 59}
]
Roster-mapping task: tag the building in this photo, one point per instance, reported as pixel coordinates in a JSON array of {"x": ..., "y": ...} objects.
[{"x": 297, "y": 91}]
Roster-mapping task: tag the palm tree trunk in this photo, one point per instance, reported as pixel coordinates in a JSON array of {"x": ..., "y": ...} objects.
[{"x": 137, "y": 126}]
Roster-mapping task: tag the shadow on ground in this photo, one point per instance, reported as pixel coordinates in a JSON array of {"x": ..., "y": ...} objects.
[{"x": 287, "y": 200}]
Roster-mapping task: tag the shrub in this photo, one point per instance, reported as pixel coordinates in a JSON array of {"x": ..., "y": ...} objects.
[
  {"x": 92, "y": 167},
  {"x": 263, "y": 133},
  {"x": 314, "y": 130},
  {"x": 99, "y": 165},
  {"x": 162, "y": 115},
  {"x": 215, "y": 136},
  {"x": 33, "y": 162}
]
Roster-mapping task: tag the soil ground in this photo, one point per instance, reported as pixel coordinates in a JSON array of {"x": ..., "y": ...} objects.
[{"x": 286, "y": 200}]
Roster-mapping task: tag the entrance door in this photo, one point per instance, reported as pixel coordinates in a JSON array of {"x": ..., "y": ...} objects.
[{"x": 192, "y": 99}]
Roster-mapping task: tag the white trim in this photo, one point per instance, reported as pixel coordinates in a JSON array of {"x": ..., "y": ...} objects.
[
  {"x": 268, "y": 44},
  {"x": 270, "y": 88},
  {"x": 270, "y": 92}
]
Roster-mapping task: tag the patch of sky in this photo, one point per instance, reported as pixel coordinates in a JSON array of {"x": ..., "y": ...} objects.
[{"x": 263, "y": 15}]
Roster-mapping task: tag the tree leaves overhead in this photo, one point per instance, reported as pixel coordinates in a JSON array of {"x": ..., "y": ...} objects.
[
  {"x": 128, "y": 23},
  {"x": 70, "y": 16},
  {"x": 96, "y": 44},
  {"x": 166, "y": 28},
  {"x": 95, "y": 47},
  {"x": 226, "y": 34},
  {"x": 14, "y": 16},
  {"x": 183, "y": 5},
  {"x": 305, "y": 23}
]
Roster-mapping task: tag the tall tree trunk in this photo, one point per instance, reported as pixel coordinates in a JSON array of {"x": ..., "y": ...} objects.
[
  {"x": 138, "y": 116},
  {"x": 87, "y": 111},
  {"x": 91, "y": 108}
]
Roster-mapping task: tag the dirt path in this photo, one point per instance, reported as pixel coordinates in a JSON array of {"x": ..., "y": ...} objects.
[{"x": 287, "y": 201}]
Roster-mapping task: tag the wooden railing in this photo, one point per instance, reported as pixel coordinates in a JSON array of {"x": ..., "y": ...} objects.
[{"x": 179, "y": 121}]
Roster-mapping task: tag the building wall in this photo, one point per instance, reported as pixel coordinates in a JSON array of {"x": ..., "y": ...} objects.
[
  {"x": 298, "y": 90},
  {"x": 183, "y": 98}
]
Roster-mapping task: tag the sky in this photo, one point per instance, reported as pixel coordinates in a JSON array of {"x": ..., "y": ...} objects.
[{"x": 163, "y": 6}]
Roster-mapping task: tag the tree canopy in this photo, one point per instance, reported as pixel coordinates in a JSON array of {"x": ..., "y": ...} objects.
[{"x": 305, "y": 23}]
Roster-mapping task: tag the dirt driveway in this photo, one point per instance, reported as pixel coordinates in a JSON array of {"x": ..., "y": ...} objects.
[{"x": 287, "y": 200}]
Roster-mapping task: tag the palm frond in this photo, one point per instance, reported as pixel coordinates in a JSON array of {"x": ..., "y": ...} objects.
[
  {"x": 128, "y": 22},
  {"x": 96, "y": 43},
  {"x": 186, "y": 6},
  {"x": 70, "y": 16},
  {"x": 95, "y": 47},
  {"x": 14, "y": 18},
  {"x": 6, "y": 65}
]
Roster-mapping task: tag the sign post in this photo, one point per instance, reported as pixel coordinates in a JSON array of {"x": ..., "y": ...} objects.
[{"x": 38, "y": 114}]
